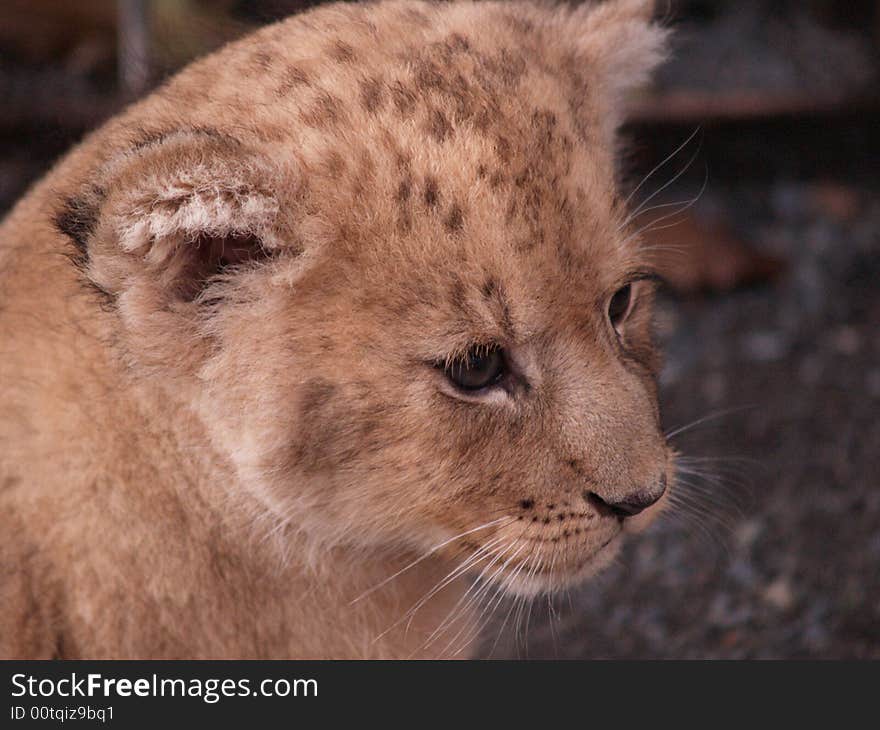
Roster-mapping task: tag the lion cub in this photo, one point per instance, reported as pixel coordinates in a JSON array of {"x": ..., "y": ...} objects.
[{"x": 341, "y": 318}]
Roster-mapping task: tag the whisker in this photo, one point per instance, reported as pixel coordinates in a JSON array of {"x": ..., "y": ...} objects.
[
  {"x": 657, "y": 167},
  {"x": 698, "y": 520},
  {"x": 428, "y": 554},
  {"x": 727, "y": 491},
  {"x": 705, "y": 511},
  {"x": 514, "y": 603},
  {"x": 473, "y": 559},
  {"x": 502, "y": 627},
  {"x": 469, "y": 596},
  {"x": 684, "y": 205},
  {"x": 705, "y": 419},
  {"x": 481, "y": 624},
  {"x": 632, "y": 216}
]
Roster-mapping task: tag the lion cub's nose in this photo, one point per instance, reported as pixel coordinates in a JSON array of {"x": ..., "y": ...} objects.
[{"x": 632, "y": 503}]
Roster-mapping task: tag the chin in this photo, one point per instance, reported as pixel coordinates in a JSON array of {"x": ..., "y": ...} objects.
[{"x": 579, "y": 570}]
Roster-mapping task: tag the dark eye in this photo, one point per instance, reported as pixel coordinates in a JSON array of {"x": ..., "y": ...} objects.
[
  {"x": 618, "y": 307},
  {"x": 480, "y": 368}
]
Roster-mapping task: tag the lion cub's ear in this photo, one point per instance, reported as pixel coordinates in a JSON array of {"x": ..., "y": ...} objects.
[
  {"x": 186, "y": 205},
  {"x": 619, "y": 39},
  {"x": 177, "y": 223}
]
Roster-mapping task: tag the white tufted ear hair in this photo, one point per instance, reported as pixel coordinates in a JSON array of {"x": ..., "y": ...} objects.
[{"x": 620, "y": 40}]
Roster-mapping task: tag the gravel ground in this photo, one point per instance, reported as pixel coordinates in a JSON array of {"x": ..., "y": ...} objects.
[{"x": 778, "y": 555}]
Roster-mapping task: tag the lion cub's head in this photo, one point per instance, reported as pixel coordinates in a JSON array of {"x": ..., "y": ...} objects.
[{"x": 380, "y": 252}]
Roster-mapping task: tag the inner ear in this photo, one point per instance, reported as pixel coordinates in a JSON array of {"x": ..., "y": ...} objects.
[{"x": 211, "y": 257}]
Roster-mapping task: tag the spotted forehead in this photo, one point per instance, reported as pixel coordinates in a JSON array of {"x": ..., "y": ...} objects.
[
  {"x": 413, "y": 116},
  {"x": 420, "y": 132}
]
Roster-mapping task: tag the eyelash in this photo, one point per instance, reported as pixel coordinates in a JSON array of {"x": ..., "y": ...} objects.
[{"x": 481, "y": 367}]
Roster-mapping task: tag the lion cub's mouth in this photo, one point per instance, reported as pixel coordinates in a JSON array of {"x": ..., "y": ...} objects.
[
  {"x": 549, "y": 547},
  {"x": 544, "y": 558}
]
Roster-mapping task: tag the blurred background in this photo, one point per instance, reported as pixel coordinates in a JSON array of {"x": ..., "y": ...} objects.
[{"x": 757, "y": 155}]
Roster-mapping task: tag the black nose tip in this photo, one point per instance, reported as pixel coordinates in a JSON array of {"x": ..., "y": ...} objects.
[{"x": 632, "y": 503}]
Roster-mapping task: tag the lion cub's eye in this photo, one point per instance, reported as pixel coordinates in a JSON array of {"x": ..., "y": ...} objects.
[
  {"x": 480, "y": 368},
  {"x": 619, "y": 305}
]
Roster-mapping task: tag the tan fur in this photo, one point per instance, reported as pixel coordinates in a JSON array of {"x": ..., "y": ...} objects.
[{"x": 220, "y": 416}]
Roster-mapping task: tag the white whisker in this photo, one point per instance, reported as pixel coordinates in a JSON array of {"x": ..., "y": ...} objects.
[
  {"x": 429, "y": 553},
  {"x": 669, "y": 157},
  {"x": 632, "y": 216},
  {"x": 706, "y": 419}
]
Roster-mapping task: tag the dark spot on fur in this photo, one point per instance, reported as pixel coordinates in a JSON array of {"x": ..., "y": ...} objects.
[
  {"x": 293, "y": 78},
  {"x": 316, "y": 395},
  {"x": 507, "y": 67},
  {"x": 402, "y": 196},
  {"x": 458, "y": 43},
  {"x": 527, "y": 503},
  {"x": 325, "y": 343},
  {"x": 403, "y": 97},
  {"x": 543, "y": 124},
  {"x": 427, "y": 76},
  {"x": 503, "y": 149},
  {"x": 333, "y": 429},
  {"x": 454, "y": 219},
  {"x": 432, "y": 191},
  {"x": 261, "y": 60},
  {"x": 372, "y": 96},
  {"x": 335, "y": 165},
  {"x": 324, "y": 110},
  {"x": 10, "y": 481},
  {"x": 403, "y": 160},
  {"x": 315, "y": 421},
  {"x": 467, "y": 106},
  {"x": 580, "y": 99},
  {"x": 342, "y": 52},
  {"x": 417, "y": 17},
  {"x": 523, "y": 26},
  {"x": 438, "y": 125},
  {"x": 404, "y": 190}
]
